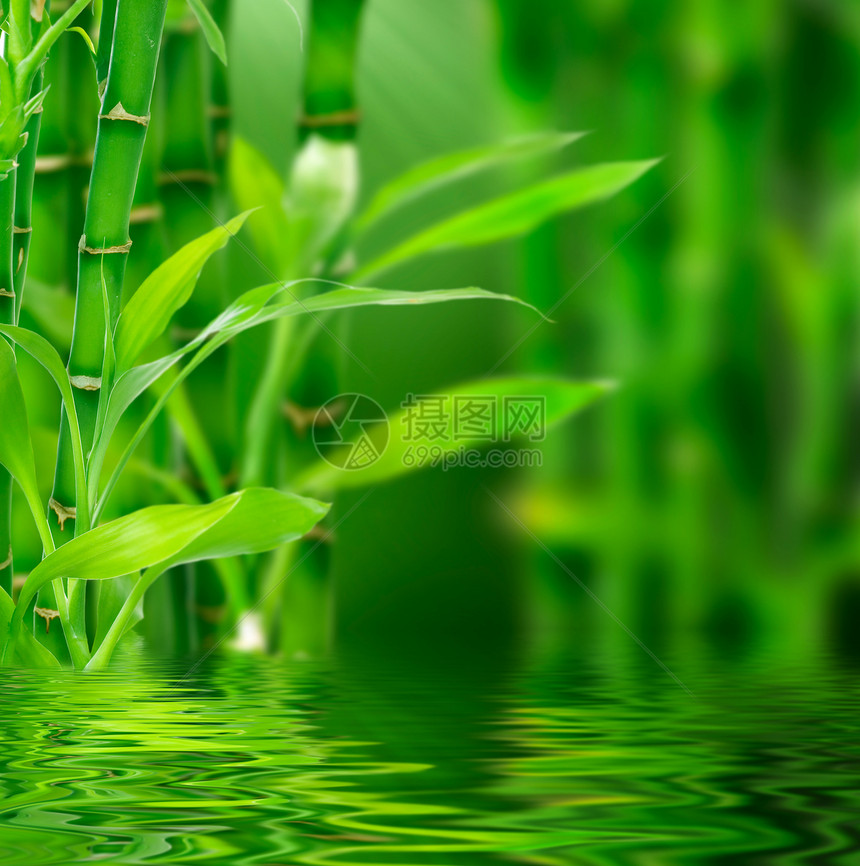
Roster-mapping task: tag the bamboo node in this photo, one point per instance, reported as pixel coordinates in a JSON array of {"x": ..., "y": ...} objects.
[
  {"x": 8, "y": 561},
  {"x": 336, "y": 118},
  {"x": 47, "y": 614},
  {"x": 98, "y": 251},
  {"x": 52, "y": 163},
  {"x": 5, "y": 293},
  {"x": 217, "y": 112},
  {"x": 17, "y": 230},
  {"x": 119, "y": 113},
  {"x": 86, "y": 383},
  {"x": 63, "y": 512}
]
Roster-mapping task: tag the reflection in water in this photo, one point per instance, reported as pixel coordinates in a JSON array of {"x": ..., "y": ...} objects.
[{"x": 255, "y": 762}]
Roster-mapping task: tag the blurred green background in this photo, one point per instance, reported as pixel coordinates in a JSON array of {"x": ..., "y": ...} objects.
[{"x": 713, "y": 496}]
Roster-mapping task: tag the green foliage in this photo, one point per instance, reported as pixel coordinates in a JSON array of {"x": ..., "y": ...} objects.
[
  {"x": 213, "y": 34},
  {"x": 16, "y": 448},
  {"x": 452, "y": 167},
  {"x": 126, "y": 367},
  {"x": 168, "y": 288},
  {"x": 405, "y": 454},
  {"x": 512, "y": 215}
]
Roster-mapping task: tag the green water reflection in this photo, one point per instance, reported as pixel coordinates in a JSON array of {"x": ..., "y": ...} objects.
[{"x": 490, "y": 760}]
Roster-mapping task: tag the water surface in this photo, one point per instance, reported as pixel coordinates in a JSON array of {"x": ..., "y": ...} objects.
[{"x": 561, "y": 760}]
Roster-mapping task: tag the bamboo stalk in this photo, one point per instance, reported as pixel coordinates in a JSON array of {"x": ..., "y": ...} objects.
[
  {"x": 7, "y": 316},
  {"x": 104, "y": 246},
  {"x": 330, "y": 116},
  {"x": 23, "y": 210}
]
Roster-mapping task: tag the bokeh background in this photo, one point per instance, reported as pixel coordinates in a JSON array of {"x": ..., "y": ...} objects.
[{"x": 713, "y": 498}]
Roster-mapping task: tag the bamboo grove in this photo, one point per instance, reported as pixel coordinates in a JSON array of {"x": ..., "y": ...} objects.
[{"x": 178, "y": 492}]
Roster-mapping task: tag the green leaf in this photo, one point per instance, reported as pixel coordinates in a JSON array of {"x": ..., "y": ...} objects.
[
  {"x": 112, "y": 595},
  {"x": 43, "y": 352},
  {"x": 262, "y": 520},
  {"x": 126, "y": 545},
  {"x": 452, "y": 167},
  {"x": 248, "y": 311},
  {"x": 150, "y": 309},
  {"x": 514, "y": 214},
  {"x": 29, "y": 652},
  {"x": 255, "y": 184},
  {"x": 86, "y": 37},
  {"x": 210, "y": 29},
  {"x": 349, "y": 297},
  {"x": 163, "y": 534},
  {"x": 16, "y": 447},
  {"x": 561, "y": 400},
  {"x": 258, "y": 520}
]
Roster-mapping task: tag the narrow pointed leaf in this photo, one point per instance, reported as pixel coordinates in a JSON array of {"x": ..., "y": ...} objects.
[
  {"x": 213, "y": 34},
  {"x": 513, "y": 215},
  {"x": 160, "y": 534},
  {"x": 112, "y": 595},
  {"x": 16, "y": 447},
  {"x": 561, "y": 399},
  {"x": 43, "y": 352},
  {"x": 247, "y": 312},
  {"x": 255, "y": 184},
  {"x": 29, "y": 652},
  {"x": 452, "y": 167},
  {"x": 168, "y": 288}
]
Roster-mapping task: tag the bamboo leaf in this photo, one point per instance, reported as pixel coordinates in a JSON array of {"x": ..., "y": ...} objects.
[
  {"x": 163, "y": 534},
  {"x": 213, "y": 34},
  {"x": 86, "y": 37},
  {"x": 452, "y": 167},
  {"x": 255, "y": 184},
  {"x": 561, "y": 399},
  {"x": 43, "y": 352},
  {"x": 150, "y": 309},
  {"x": 260, "y": 520},
  {"x": 112, "y": 595},
  {"x": 16, "y": 447},
  {"x": 29, "y": 652},
  {"x": 513, "y": 215},
  {"x": 250, "y": 310}
]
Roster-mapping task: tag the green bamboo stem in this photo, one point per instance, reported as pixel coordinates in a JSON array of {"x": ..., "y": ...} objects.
[
  {"x": 7, "y": 316},
  {"x": 26, "y": 174},
  {"x": 329, "y": 92},
  {"x": 331, "y": 113},
  {"x": 188, "y": 178},
  {"x": 103, "y": 52},
  {"x": 104, "y": 246},
  {"x": 220, "y": 111}
]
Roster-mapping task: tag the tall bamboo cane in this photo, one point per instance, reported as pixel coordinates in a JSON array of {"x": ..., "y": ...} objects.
[
  {"x": 104, "y": 246},
  {"x": 7, "y": 316}
]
